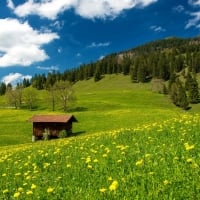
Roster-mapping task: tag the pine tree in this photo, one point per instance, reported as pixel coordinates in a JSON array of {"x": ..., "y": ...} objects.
[
  {"x": 178, "y": 95},
  {"x": 193, "y": 91}
]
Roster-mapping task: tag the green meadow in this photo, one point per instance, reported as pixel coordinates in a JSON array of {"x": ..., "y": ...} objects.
[
  {"x": 129, "y": 143},
  {"x": 114, "y": 102}
]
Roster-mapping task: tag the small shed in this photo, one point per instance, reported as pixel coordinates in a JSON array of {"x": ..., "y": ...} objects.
[{"x": 53, "y": 124}]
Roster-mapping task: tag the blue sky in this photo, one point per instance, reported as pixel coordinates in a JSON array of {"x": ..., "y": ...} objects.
[{"x": 38, "y": 36}]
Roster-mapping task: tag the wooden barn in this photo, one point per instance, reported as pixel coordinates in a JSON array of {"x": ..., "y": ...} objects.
[{"x": 52, "y": 125}]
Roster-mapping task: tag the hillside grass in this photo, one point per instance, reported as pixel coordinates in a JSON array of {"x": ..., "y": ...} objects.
[{"x": 112, "y": 103}]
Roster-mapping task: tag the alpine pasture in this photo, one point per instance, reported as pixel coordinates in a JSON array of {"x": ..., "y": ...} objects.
[{"x": 129, "y": 143}]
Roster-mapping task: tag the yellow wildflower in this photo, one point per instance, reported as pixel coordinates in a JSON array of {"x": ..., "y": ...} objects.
[
  {"x": 139, "y": 162},
  {"x": 17, "y": 194},
  {"x": 29, "y": 192},
  {"x": 88, "y": 159},
  {"x": 50, "y": 189},
  {"x": 165, "y": 182},
  {"x": 20, "y": 189},
  {"x": 188, "y": 147},
  {"x": 113, "y": 186},
  {"x": 102, "y": 190},
  {"x": 189, "y": 160},
  {"x": 89, "y": 166},
  {"x": 33, "y": 186},
  {"x": 5, "y": 191}
]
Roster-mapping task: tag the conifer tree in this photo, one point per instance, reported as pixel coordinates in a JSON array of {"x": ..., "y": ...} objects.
[{"x": 193, "y": 91}]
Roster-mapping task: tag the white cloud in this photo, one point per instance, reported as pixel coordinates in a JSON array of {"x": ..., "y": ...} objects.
[
  {"x": 52, "y": 68},
  {"x": 195, "y": 16},
  {"x": 15, "y": 78},
  {"x": 101, "y": 57},
  {"x": 10, "y": 4},
  {"x": 194, "y": 21},
  {"x": 157, "y": 29},
  {"x": 20, "y": 44},
  {"x": 96, "y": 45},
  {"x": 194, "y": 2},
  {"x": 86, "y": 8}
]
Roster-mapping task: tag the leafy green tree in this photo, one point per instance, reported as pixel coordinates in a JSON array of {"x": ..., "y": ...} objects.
[
  {"x": 11, "y": 97},
  {"x": 30, "y": 97},
  {"x": 64, "y": 93},
  {"x": 52, "y": 96},
  {"x": 14, "y": 96}
]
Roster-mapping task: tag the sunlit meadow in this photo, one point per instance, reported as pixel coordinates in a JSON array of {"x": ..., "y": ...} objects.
[{"x": 151, "y": 161}]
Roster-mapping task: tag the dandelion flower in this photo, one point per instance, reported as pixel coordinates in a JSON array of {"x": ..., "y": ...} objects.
[
  {"x": 189, "y": 160},
  {"x": 29, "y": 192},
  {"x": 5, "y": 191},
  {"x": 17, "y": 194},
  {"x": 89, "y": 166},
  {"x": 88, "y": 159},
  {"x": 139, "y": 162},
  {"x": 188, "y": 147},
  {"x": 33, "y": 186},
  {"x": 113, "y": 186},
  {"x": 102, "y": 190},
  {"x": 20, "y": 189},
  {"x": 50, "y": 189},
  {"x": 165, "y": 182}
]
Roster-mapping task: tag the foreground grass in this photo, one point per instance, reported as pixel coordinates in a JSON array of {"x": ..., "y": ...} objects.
[{"x": 151, "y": 161}]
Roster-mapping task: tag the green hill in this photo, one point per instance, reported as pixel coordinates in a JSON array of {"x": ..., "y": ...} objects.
[{"x": 112, "y": 103}]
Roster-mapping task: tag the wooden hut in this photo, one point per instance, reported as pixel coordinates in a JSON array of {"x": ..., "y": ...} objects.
[{"x": 51, "y": 125}]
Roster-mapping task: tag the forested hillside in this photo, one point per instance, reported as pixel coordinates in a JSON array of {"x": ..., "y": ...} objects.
[{"x": 174, "y": 61}]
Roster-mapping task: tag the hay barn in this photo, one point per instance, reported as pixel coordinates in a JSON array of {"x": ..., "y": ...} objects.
[{"x": 54, "y": 124}]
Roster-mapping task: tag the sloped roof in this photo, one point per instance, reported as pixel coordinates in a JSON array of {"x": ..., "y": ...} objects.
[{"x": 53, "y": 118}]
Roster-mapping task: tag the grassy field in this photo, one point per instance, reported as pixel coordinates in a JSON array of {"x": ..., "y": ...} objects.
[
  {"x": 131, "y": 143},
  {"x": 152, "y": 161},
  {"x": 112, "y": 103}
]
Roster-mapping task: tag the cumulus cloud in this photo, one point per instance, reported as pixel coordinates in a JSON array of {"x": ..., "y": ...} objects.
[
  {"x": 96, "y": 45},
  {"x": 157, "y": 29},
  {"x": 15, "y": 78},
  {"x": 194, "y": 2},
  {"x": 194, "y": 21},
  {"x": 85, "y": 8},
  {"x": 20, "y": 44}
]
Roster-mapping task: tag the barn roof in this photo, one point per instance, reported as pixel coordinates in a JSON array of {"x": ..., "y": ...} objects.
[{"x": 53, "y": 118}]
